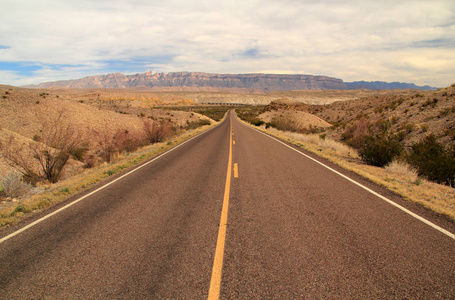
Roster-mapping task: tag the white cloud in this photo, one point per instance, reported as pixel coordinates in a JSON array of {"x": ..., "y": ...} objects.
[{"x": 410, "y": 41}]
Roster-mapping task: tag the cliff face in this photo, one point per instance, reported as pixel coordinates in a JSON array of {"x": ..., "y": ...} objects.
[
  {"x": 207, "y": 81},
  {"x": 263, "y": 82}
]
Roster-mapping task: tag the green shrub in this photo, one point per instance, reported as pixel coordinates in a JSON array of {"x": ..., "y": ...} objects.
[
  {"x": 196, "y": 124},
  {"x": 256, "y": 122},
  {"x": 379, "y": 150},
  {"x": 374, "y": 142},
  {"x": 19, "y": 209},
  {"x": 433, "y": 161},
  {"x": 204, "y": 122}
]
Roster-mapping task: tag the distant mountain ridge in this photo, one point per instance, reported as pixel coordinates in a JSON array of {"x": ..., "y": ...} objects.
[
  {"x": 261, "y": 82},
  {"x": 381, "y": 85}
]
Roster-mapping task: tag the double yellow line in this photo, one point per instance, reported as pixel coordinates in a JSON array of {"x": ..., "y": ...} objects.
[{"x": 215, "y": 282}]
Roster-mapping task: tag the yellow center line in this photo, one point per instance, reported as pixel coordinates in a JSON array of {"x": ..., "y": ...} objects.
[
  {"x": 236, "y": 171},
  {"x": 215, "y": 282}
]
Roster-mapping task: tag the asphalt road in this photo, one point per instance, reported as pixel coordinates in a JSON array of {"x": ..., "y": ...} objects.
[{"x": 295, "y": 230}]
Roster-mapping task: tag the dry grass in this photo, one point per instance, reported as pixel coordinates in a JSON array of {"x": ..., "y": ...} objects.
[
  {"x": 399, "y": 168},
  {"x": 11, "y": 213},
  {"x": 322, "y": 143},
  {"x": 397, "y": 177}
]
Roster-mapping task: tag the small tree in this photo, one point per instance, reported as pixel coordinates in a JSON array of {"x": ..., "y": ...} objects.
[
  {"x": 44, "y": 160},
  {"x": 374, "y": 142},
  {"x": 379, "y": 150},
  {"x": 433, "y": 161}
]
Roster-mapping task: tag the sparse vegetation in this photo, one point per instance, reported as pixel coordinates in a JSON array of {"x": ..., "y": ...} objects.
[
  {"x": 44, "y": 160},
  {"x": 54, "y": 193},
  {"x": 400, "y": 113},
  {"x": 433, "y": 161},
  {"x": 13, "y": 185},
  {"x": 213, "y": 112},
  {"x": 196, "y": 124},
  {"x": 250, "y": 114}
]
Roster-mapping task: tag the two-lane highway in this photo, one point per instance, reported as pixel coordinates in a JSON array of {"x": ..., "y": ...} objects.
[
  {"x": 285, "y": 228},
  {"x": 150, "y": 235}
]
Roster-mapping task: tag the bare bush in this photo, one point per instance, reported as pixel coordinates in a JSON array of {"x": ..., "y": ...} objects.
[
  {"x": 112, "y": 142},
  {"x": 156, "y": 132},
  {"x": 14, "y": 186},
  {"x": 46, "y": 159},
  {"x": 105, "y": 143}
]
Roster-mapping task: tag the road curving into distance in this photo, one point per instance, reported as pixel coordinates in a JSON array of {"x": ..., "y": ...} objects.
[{"x": 232, "y": 214}]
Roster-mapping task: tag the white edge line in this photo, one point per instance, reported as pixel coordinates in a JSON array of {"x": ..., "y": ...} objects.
[
  {"x": 99, "y": 189},
  {"x": 448, "y": 233}
]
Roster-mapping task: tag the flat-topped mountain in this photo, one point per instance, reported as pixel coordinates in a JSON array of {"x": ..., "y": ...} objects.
[{"x": 258, "y": 82}]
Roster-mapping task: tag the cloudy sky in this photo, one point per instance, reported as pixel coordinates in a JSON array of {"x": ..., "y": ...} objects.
[{"x": 406, "y": 41}]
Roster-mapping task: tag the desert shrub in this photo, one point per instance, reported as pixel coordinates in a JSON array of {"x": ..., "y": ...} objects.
[
  {"x": 250, "y": 114},
  {"x": 156, "y": 132},
  {"x": 127, "y": 141},
  {"x": 353, "y": 133},
  {"x": 399, "y": 167},
  {"x": 196, "y": 124},
  {"x": 257, "y": 122},
  {"x": 446, "y": 111},
  {"x": 79, "y": 153},
  {"x": 284, "y": 124},
  {"x": 204, "y": 122},
  {"x": 44, "y": 160},
  {"x": 373, "y": 141},
  {"x": 433, "y": 161},
  {"x": 429, "y": 102},
  {"x": 379, "y": 150},
  {"x": 13, "y": 185},
  {"x": 111, "y": 142},
  {"x": 90, "y": 160}
]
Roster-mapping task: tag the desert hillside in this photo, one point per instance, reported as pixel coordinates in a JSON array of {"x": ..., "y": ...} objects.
[
  {"x": 413, "y": 114},
  {"x": 25, "y": 112}
]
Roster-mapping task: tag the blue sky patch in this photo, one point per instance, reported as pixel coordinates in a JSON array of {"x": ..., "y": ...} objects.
[{"x": 21, "y": 68}]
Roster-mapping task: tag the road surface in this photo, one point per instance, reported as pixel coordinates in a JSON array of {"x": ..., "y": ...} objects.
[{"x": 231, "y": 214}]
